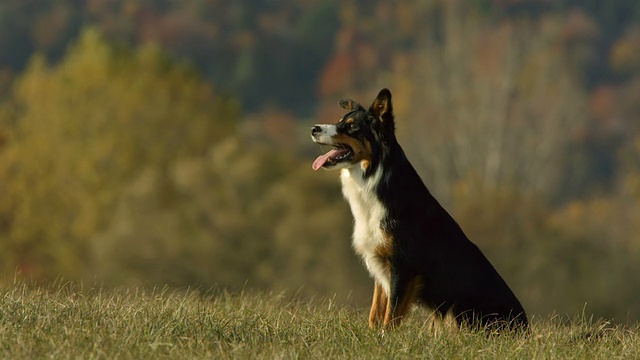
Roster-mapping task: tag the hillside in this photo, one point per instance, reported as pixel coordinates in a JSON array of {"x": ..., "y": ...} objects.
[
  {"x": 150, "y": 143},
  {"x": 69, "y": 321}
]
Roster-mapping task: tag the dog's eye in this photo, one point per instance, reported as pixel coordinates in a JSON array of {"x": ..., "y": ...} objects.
[{"x": 353, "y": 127}]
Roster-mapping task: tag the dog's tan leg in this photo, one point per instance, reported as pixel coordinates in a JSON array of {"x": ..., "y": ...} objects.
[
  {"x": 378, "y": 306},
  {"x": 402, "y": 296}
]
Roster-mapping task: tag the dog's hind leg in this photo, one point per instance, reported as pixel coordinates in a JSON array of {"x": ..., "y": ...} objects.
[
  {"x": 403, "y": 292},
  {"x": 378, "y": 306}
]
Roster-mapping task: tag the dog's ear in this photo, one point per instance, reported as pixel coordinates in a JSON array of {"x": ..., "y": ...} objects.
[
  {"x": 350, "y": 105},
  {"x": 382, "y": 109}
]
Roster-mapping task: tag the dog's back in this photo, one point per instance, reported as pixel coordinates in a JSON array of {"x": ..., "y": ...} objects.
[{"x": 454, "y": 274}]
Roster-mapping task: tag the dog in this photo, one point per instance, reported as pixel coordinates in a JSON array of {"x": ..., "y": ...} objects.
[{"x": 414, "y": 250}]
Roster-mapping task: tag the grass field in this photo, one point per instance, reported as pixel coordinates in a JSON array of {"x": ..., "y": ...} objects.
[{"x": 65, "y": 321}]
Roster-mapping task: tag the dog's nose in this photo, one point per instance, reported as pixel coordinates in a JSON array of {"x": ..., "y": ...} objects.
[{"x": 315, "y": 130}]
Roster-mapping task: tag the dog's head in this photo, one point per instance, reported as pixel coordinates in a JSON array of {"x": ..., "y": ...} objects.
[{"x": 357, "y": 139}]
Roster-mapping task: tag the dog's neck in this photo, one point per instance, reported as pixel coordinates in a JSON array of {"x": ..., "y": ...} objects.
[{"x": 363, "y": 180}]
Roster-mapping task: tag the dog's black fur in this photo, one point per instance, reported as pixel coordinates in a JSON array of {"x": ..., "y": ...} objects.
[{"x": 417, "y": 253}]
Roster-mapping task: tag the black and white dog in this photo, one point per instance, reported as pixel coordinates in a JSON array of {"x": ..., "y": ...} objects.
[{"x": 411, "y": 246}]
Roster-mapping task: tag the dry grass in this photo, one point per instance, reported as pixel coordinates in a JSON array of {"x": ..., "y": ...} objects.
[{"x": 66, "y": 321}]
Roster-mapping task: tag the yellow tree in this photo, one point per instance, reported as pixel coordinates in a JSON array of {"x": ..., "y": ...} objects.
[
  {"x": 77, "y": 131},
  {"x": 246, "y": 217}
]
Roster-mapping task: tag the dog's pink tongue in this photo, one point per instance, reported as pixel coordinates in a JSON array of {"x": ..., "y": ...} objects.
[{"x": 317, "y": 164}]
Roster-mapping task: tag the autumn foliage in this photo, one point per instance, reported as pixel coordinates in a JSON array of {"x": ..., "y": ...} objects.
[{"x": 150, "y": 143}]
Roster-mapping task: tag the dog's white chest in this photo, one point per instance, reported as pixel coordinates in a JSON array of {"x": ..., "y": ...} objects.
[{"x": 368, "y": 213}]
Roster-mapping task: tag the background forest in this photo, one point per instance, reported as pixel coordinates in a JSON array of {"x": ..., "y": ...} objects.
[{"x": 160, "y": 142}]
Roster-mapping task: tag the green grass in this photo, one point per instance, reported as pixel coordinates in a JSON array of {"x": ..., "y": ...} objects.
[{"x": 69, "y": 322}]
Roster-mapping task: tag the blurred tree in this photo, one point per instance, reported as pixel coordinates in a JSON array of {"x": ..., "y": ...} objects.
[
  {"x": 78, "y": 132},
  {"x": 599, "y": 242},
  {"x": 244, "y": 47},
  {"x": 613, "y": 18},
  {"x": 625, "y": 53},
  {"x": 242, "y": 216},
  {"x": 497, "y": 104}
]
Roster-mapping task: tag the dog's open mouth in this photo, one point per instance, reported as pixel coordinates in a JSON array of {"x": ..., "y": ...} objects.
[{"x": 333, "y": 157}]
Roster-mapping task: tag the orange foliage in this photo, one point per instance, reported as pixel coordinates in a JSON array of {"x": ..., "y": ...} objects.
[
  {"x": 338, "y": 75},
  {"x": 603, "y": 102}
]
